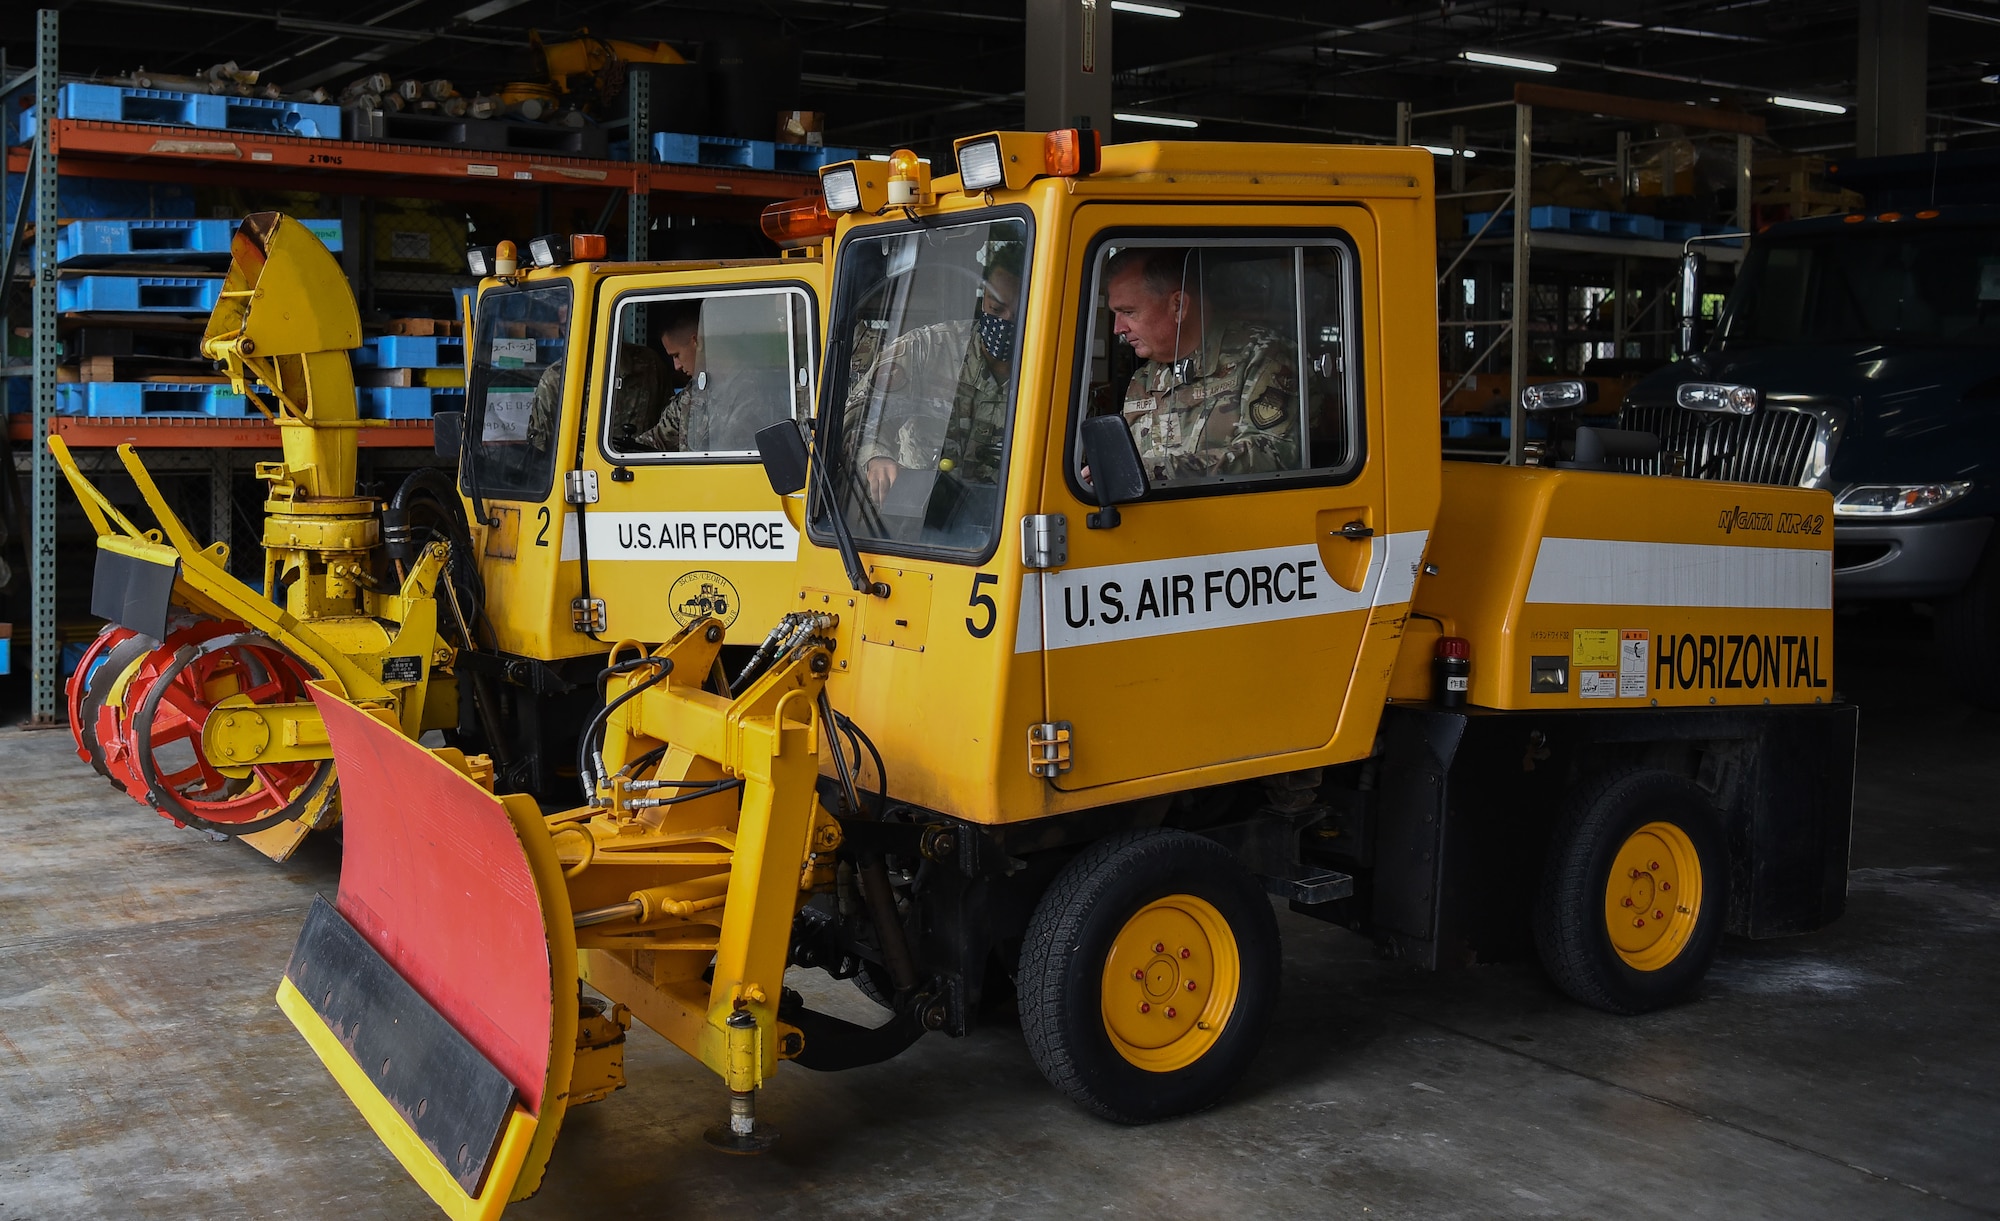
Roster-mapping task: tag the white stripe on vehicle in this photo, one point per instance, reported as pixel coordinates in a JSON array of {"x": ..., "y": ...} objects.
[{"x": 1615, "y": 572}]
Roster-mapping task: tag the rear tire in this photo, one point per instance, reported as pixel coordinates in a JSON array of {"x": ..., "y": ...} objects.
[
  {"x": 1148, "y": 976},
  {"x": 1633, "y": 893},
  {"x": 1968, "y": 626}
]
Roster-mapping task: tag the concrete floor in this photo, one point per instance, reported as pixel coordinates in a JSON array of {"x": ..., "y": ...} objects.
[{"x": 146, "y": 1072}]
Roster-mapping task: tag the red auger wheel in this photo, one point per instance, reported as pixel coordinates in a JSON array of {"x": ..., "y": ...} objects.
[
  {"x": 169, "y": 700},
  {"x": 90, "y": 683}
]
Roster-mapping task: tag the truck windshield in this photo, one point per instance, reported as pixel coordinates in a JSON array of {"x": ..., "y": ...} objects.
[
  {"x": 513, "y": 398},
  {"x": 1896, "y": 283},
  {"x": 921, "y": 372}
]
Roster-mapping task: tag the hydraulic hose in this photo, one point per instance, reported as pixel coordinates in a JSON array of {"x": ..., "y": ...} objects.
[{"x": 587, "y": 749}]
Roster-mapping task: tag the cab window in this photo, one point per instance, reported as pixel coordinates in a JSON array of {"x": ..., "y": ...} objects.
[
  {"x": 699, "y": 374},
  {"x": 514, "y": 394},
  {"x": 1229, "y": 359}
]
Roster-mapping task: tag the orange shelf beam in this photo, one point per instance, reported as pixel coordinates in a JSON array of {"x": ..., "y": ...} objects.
[
  {"x": 91, "y": 149},
  {"x": 195, "y": 433}
]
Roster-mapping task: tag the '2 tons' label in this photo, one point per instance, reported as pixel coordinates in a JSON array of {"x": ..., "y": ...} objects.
[{"x": 1721, "y": 662}]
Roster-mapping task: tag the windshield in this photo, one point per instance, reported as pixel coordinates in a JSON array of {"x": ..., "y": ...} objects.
[
  {"x": 514, "y": 394},
  {"x": 921, "y": 374},
  {"x": 1898, "y": 283}
]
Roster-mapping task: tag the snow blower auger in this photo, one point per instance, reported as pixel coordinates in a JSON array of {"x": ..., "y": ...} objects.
[
  {"x": 441, "y": 988},
  {"x": 194, "y": 699}
]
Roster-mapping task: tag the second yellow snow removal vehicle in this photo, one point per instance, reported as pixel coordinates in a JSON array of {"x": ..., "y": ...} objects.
[
  {"x": 605, "y": 487},
  {"x": 1134, "y": 594}
]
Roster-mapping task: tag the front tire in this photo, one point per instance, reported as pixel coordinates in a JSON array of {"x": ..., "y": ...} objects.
[
  {"x": 1633, "y": 893},
  {"x": 1148, "y": 976}
]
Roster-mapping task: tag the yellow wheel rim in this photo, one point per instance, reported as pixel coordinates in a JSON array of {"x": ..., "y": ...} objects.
[
  {"x": 1170, "y": 983},
  {"x": 1653, "y": 897}
]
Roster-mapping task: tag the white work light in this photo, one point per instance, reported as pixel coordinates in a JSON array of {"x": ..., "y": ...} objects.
[
  {"x": 843, "y": 193},
  {"x": 979, "y": 167}
]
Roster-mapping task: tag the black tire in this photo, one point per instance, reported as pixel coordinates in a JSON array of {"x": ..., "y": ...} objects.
[
  {"x": 1967, "y": 624},
  {"x": 875, "y": 983},
  {"x": 1572, "y": 921},
  {"x": 1065, "y": 956}
]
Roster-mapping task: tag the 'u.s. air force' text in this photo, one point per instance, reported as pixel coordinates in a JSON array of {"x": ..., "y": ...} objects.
[{"x": 1173, "y": 594}]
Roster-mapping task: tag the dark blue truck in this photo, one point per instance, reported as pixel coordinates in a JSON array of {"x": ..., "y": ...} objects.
[{"x": 1861, "y": 354}]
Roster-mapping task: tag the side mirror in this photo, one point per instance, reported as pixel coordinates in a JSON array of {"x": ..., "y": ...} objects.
[
  {"x": 448, "y": 434},
  {"x": 783, "y": 449},
  {"x": 1690, "y": 337},
  {"x": 1115, "y": 471}
]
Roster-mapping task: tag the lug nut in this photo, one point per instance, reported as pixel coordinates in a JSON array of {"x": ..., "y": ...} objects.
[
  {"x": 1139, "y": 975},
  {"x": 1633, "y": 874},
  {"x": 1170, "y": 1011},
  {"x": 1666, "y": 886},
  {"x": 1159, "y": 947},
  {"x": 1640, "y": 922},
  {"x": 1186, "y": 952},
  {"x": 1144, "y": 1007},
  {"x": 1628, "y": 900},
  {"x": 1653, "y": 865},
  {"x": 1190, "y": 985},
  {"x": 1659, "y": 915}
]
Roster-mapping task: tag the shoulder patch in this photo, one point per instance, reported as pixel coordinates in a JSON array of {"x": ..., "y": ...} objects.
[{"x": 1267, "y": 413}]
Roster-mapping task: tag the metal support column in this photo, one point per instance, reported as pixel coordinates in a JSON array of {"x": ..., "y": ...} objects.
[
  {"x": 48, "y": 651},
  {"x": 221, "y": 497},
  {"x": 1403, "y": 123},
  {"x": 639, "y": 126},
  {"x": 1068, "y": 71},
  {"x": 1524, "y": 172},
  {"x": 1891, "y": 78}
]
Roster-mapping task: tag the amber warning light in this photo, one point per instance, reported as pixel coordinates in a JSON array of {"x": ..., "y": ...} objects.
[
  {"x": 1072, "y": 151},
  {"x": 797, "y": 222},
  {"x": 1451, "y": 671}
]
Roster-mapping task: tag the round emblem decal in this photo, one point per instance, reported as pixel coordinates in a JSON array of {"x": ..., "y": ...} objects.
[{"x": 701, "y": 594}]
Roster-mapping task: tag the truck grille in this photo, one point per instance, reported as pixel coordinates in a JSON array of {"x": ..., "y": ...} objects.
[{"x": 1773, "y": 447}]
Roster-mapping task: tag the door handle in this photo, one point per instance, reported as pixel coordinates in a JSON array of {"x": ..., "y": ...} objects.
[{"x": 1356, "y": 531}]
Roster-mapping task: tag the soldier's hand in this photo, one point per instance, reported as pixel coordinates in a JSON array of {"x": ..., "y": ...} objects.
[{"x": 882, "y": 474}]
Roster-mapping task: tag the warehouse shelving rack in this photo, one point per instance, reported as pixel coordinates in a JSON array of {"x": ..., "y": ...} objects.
[
  {"x": 1523, "y": 242},
  {"x": 352, "y": 169}
]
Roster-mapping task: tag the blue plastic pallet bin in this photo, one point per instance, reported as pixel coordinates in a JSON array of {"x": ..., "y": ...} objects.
[
  {"x": 676, "y": 148},
  {"x": 408, "y": 402},
  {"x": 1629, "y": 224},
  {"x": 808, "y": 158},
  {"x": 153, "y": 239},
  {"x": 410, "y": 352},
  {"x": 140, "y": 294},
  {"x": 149, "y": 399},
  {"x": 215, "y": 112}
]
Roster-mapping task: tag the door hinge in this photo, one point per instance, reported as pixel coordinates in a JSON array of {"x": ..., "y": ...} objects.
[
  {"x": 587, "y": 614},
  {"x": 1048, "y": 749},
  {"x": 580, "y": 487},
  {"x": 1044, "y": 540}
]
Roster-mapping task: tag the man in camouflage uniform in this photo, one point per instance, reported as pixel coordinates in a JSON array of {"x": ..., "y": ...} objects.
[
  {"x": 636, "y": 398},
  {"x": 946, "y": 391},
  {"x": 1212, "y": 398}
]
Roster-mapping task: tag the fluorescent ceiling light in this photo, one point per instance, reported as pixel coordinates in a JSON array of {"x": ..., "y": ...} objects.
[
  {"x": 1156, "y": 120},
  {"x": 1508, "y": 61},
  {"x": 885, "y": 157},
  {"x": 1990, "y": 80},
  {"x": 1147, "y": 9},
  {"x": 1440, "y": 150},
  {"x": 1807, "y": 104}
]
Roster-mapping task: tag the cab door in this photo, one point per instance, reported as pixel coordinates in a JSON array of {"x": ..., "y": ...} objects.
[
  {"x": 1220, "y": 621},
  {"x": 684, "y": 524}
]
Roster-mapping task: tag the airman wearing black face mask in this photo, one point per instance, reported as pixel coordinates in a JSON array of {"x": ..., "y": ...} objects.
[{"x": 949, "y": 387}]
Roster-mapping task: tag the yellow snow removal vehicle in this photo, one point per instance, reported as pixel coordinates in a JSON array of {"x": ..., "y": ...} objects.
[
  {"x": 606, "y": 488},
  {"x": 1135, "y": 595}
]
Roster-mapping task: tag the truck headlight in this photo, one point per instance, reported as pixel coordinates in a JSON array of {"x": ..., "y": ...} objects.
[
  {"x": 1865, "y": 500},
  {"x": 1557, "y": 396},
  {"x": 1717, "y": 396},
  {"x": 979, "y": 167}
]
